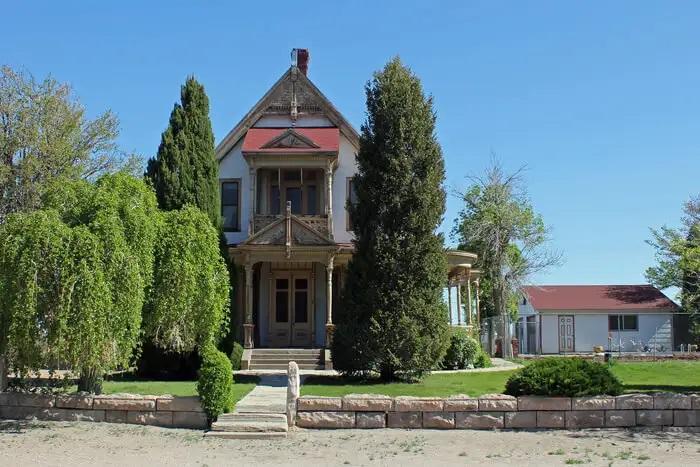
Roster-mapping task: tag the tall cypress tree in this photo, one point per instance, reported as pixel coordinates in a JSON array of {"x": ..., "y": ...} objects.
[
  {"x": 185, "y": 171},
  {"x": 394, "y": 319}
]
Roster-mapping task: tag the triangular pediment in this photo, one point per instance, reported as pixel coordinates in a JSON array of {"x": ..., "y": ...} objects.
[{"x": 290, "y": 139}]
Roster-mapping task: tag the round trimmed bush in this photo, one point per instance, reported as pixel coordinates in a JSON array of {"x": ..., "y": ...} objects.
[
  {"x": 569, "y": 377},
  {"x": 236, "y": 356},
  {"x": 215, "y": 385},
  {"x": 462, "y": 352},
  {"x": 482, "y": 359}
]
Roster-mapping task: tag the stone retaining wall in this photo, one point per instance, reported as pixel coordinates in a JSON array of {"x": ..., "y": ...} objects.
[
  {"x": 663, "y": 410},
  {"x": 166, "y": 411}
]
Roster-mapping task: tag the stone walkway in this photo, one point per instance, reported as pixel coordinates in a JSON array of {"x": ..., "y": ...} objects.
[{"x": 269, "y": 396}]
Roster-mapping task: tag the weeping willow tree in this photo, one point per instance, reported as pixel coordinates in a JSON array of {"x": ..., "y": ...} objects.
[{"x": 74, "y": 276}]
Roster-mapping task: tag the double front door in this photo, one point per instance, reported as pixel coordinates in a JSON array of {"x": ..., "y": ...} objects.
[{"x": 291, "y": 309}]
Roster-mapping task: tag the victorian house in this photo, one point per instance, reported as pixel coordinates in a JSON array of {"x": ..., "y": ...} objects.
[{"x": 286, "y": 175}]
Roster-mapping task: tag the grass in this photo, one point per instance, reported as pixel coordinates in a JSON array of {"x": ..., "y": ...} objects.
[
  {"x": 242, "y": 386},
  {"x": 678, "y": 376}
]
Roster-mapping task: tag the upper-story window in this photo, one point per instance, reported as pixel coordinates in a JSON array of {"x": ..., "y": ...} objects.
[
  {"x": 352, "y": 199},
  {"x": 230, "y": 205}
]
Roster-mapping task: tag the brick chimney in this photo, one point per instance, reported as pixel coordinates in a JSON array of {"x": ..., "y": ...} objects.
[{"x": 300, "y": 59}]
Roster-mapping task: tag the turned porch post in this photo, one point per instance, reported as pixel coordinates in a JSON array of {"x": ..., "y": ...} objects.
[
  {"x": 253, "y": 201},
  {"x": 329, "y": 199},
  {"x": 459, "y": 303},
  {"x": 476, "y": 293},
  {"x": 248, "y": 325},
  {"x": 449, "y": 300},
  {"x": 329, "y": 301},
  {"x": 469, "y": 301}
]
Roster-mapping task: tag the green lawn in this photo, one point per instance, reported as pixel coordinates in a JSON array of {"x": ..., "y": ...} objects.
[
  {"x": 637, "y": 377},
  {"x": 241, "y": 387}
]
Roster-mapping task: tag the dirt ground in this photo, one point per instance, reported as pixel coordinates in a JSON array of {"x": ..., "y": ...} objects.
[{"x": 56, "y": 443}]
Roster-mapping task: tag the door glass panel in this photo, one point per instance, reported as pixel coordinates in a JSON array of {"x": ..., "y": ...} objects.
[
  {"x": 275, "y": 200},
  {"x": 294, "y": 196},
  {"x": 282, "y": 284},
  {"x": 311, "y": 200},
  {"x": 300, "y": 283},
  {"x": 281, "y": 306},
  {"x": 301, "y": 298}
]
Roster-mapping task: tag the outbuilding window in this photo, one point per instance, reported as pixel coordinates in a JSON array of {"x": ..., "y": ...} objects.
[{"x": 623, "y": 323}]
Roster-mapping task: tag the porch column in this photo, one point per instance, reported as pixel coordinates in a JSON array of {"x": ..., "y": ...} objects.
[
  {"x": 469, "y": 301},
  {"x": 253, "y": 201},
  {"x": 329, "y": 301},
  {"x": 476, "y": 285},
  {"x": 329, "y": 199},
  {"x": 248, "y": 325},
  {"x": 459, "y": 303},
  {"x": 449, "y": 300}
]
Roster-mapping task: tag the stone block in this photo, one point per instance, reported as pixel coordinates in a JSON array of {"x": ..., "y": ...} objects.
[
  {"x": 13, "y": 412},
  {"x": 620, "y": 418},
  {"x": 21, "y": 399},
  {"x": 139, "y": 417},
  {"x": 479, "y": 420},
  {"x": 179, "y": 404},
  {"x": 442, "y": 420},
  {"x": 367, "y": 403},
  {"x": 585, "y": 419},
  {"x": 682, "y": 429},
  {"x": 497, "y": 402},
  {"x": 370, "y": 420},
  {"x": 66, "y": 401},
  {"x": 544, "y": 403},
  {"x": 72, "y": 415},
  {"x": 319, "y": 403},
  {"x": 634, "y": 401},
  {"x": 405, "y": 419},
  {"x": 686, "y": 418},
  {"x": 521, "y": 419},
  {"x": 195, "y": 420},
  {"x": 695, "y": 401},
  {"x": 121, "y": 403},
  {"x": 325, "y": 419},
  {"x": 654, "y": 417},
  {"x": 115, "y": 416},
  {"x": 593, "y": 403},
  {"x": 553, "y": 419},
  {"x": 461, "y": 404},
  {"x": 669, "y": 400},
  {"x": 418, "y": 404}
]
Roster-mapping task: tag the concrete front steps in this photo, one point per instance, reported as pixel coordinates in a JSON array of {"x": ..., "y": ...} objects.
[
  {"x": 241, "y": 425},
  {"x": 278, "y": 359}
]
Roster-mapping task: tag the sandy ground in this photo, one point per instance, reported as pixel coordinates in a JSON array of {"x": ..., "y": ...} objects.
[{"x": 56, "y": 443}]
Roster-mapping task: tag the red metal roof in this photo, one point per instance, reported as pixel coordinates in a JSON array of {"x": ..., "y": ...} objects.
[
  {"x": 325, "y": 140},
  {"x": 598, "y": 297}
]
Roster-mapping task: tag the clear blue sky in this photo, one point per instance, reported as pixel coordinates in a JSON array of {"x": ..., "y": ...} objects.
[{"x": 601, "y": 100}]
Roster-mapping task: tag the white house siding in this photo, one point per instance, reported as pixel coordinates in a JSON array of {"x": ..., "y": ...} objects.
[
  {"x": 284, "y": 121},
  {"x": 591, "y": 329},
  {"x": 347, "y": 166},
  {"x": 234, "y": 166}
]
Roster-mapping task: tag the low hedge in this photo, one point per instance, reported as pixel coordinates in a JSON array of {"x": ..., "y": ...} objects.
[
  {"x": 462, "y": 351},
  {"x": 215, "y": 384},
  {"x": 236, "y": 356},
  {"x": 563, "y": 376}
]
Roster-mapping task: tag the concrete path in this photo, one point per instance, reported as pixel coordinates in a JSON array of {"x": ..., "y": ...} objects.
[{"x": 269, "y": 396}]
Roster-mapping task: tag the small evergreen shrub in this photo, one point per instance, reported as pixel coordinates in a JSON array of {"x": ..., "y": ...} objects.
[
  {"x": 236, "y": 356},
  {"x": 569, "y": 377},
  {"x": 462, "y": 352},
  {"x": 215, "y": 385},
  {"x": 482, "y": 360}
]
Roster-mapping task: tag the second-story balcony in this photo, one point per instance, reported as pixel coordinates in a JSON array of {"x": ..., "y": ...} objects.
[{"x": 304, "y": 189}]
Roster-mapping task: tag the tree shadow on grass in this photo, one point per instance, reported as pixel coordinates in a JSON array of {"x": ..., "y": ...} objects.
[{"x": 343, "y": 380}]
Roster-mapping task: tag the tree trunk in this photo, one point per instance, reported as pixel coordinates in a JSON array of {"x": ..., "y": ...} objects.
[
  {"x": 500, "y": 303},
  {"x": 3, "y": 373},
  {"x": 90, "y": 381}
]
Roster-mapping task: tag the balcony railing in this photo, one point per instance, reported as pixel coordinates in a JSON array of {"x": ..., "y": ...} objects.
[{"x": 318, "y": 223}]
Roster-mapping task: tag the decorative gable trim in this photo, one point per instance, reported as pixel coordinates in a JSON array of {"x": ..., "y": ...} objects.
[{"x": 290, "y": 139}]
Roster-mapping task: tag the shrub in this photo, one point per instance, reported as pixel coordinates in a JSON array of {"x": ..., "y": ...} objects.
[
  {"x": 570, "y": 377},
  {"x": 482, "y": 360},
  {"x": 462, "y": 352},
  {"x": 236, "y": 356},
  {"x": 215, "y": 385}
]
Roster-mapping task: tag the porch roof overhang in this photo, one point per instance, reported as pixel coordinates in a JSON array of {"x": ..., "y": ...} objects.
[
  {"x": 461, "y": 266},
  {"x": 243, "y": 253}
]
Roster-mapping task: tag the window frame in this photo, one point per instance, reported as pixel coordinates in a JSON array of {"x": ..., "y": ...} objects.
[
  {"x": 238, "y": 181},
  {"x": 348, "y": 201},
  {"x": 620, "y": 318}
]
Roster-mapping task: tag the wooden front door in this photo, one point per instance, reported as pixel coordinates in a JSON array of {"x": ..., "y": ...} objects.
[
  {"x": 290, "y": 313},
  {"x": 566, "y": 333}
]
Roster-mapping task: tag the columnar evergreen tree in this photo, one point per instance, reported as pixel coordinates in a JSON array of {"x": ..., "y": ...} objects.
[
  {"x": 185, "y": 171},
  {"x": 394, "y": 319}
]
